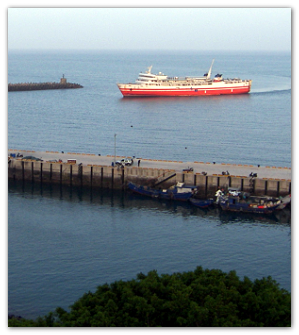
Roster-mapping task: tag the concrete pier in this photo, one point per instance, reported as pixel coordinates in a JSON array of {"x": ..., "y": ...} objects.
[{"x": 94, "y": 171}]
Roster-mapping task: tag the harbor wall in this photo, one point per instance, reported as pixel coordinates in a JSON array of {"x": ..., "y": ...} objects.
[
  {"x": 63, "y": 84},
  {"x": 101, "y": 176}
]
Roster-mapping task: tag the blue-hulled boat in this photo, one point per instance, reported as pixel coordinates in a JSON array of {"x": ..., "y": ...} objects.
[
  {"x": 201, "y": 203},
  {"x": 249, "y": 204},
  {"x": 178, "y": 192}
]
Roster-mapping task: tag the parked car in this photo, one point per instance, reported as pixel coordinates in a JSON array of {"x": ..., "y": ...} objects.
[
  {"x": 124, "y": 161},
  {"x": 32, "y": 158},
  {"x": 189, "y": 169}
]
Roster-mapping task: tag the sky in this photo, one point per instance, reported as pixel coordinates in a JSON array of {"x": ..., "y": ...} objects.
[{"x": 155, "y": 28}]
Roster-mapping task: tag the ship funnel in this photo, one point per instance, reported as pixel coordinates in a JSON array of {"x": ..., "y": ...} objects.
[{"x": 210, "y": 71}]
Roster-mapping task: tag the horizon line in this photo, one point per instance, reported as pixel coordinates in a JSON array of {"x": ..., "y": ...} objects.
[{"x": 148, "y": 50}]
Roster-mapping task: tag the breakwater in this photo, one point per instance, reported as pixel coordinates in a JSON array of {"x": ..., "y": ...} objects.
[
  {"x": 41, "y": 86},
  {"x": 93, "y": 171},
  {"x": 63, "y": 84}
]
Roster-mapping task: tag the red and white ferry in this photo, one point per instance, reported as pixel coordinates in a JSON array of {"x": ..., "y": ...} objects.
[{"x": 149, "y": 85}]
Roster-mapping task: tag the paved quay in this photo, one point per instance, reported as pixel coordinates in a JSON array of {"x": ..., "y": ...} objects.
[{"x": 269, "y": 172}]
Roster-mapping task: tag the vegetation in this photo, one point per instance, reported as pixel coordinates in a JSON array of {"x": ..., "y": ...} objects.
[
  {"x": 200, "y": 298},
  {"x": 41, "y": 86}
]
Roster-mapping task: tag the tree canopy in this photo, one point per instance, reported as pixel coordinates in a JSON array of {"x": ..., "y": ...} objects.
[{"x": 200, "y": 298}]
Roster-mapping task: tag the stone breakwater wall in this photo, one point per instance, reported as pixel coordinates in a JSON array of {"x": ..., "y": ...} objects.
[
  {"x": 41, "y": 86},
  {"x": 112, "y": 177}
]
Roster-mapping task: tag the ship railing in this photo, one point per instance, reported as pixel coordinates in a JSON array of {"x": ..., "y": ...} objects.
[
  {"x": 236, "y": 80},
  {"x": 176, "y": 78}
]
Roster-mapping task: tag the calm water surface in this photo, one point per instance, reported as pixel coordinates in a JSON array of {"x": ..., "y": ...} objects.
[
  {"x": 62, "y": 242},
  {"x": 247, "y": 129}
]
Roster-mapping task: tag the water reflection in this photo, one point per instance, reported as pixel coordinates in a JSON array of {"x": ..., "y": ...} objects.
[
  {"x": 278, "y": 217},
  {"x": 125, "y": 199},
  {"x": 63, "y": 242}
]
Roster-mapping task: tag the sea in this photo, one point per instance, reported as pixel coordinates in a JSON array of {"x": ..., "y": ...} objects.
[{"x": 64, "y": 242}]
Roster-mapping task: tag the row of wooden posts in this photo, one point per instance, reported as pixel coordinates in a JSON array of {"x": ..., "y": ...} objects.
[{"x": 97, "y": 176}]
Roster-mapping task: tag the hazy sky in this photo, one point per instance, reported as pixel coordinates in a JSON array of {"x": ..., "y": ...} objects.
[{"x": 150, "y": 28}]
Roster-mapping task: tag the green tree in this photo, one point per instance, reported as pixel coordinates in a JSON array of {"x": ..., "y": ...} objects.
[{"x": 199, "y": 298}]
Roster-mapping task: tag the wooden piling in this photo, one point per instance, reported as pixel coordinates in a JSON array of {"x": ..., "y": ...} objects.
[{"x": 96, "y": 176}]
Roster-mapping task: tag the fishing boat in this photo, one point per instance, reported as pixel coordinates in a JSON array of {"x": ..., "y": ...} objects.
[
  {"x": 150, "y": 85},
  {"x": 249, "y": 204},
  {"x": 179, "y": 192},
  {"x": 285, "y": 202},
  {"x": 201, "y": 203}
]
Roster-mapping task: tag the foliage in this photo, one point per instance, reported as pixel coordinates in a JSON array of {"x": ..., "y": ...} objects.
[{"x": 200, "y": 298}]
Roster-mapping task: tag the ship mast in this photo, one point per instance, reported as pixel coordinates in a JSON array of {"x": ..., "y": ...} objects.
[
  {"x": 149, "y": 69},
  {"x": 210, "y": 71}
]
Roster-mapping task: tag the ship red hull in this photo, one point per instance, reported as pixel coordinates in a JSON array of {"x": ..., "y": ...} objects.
[{"x": 184, "y": 92}]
